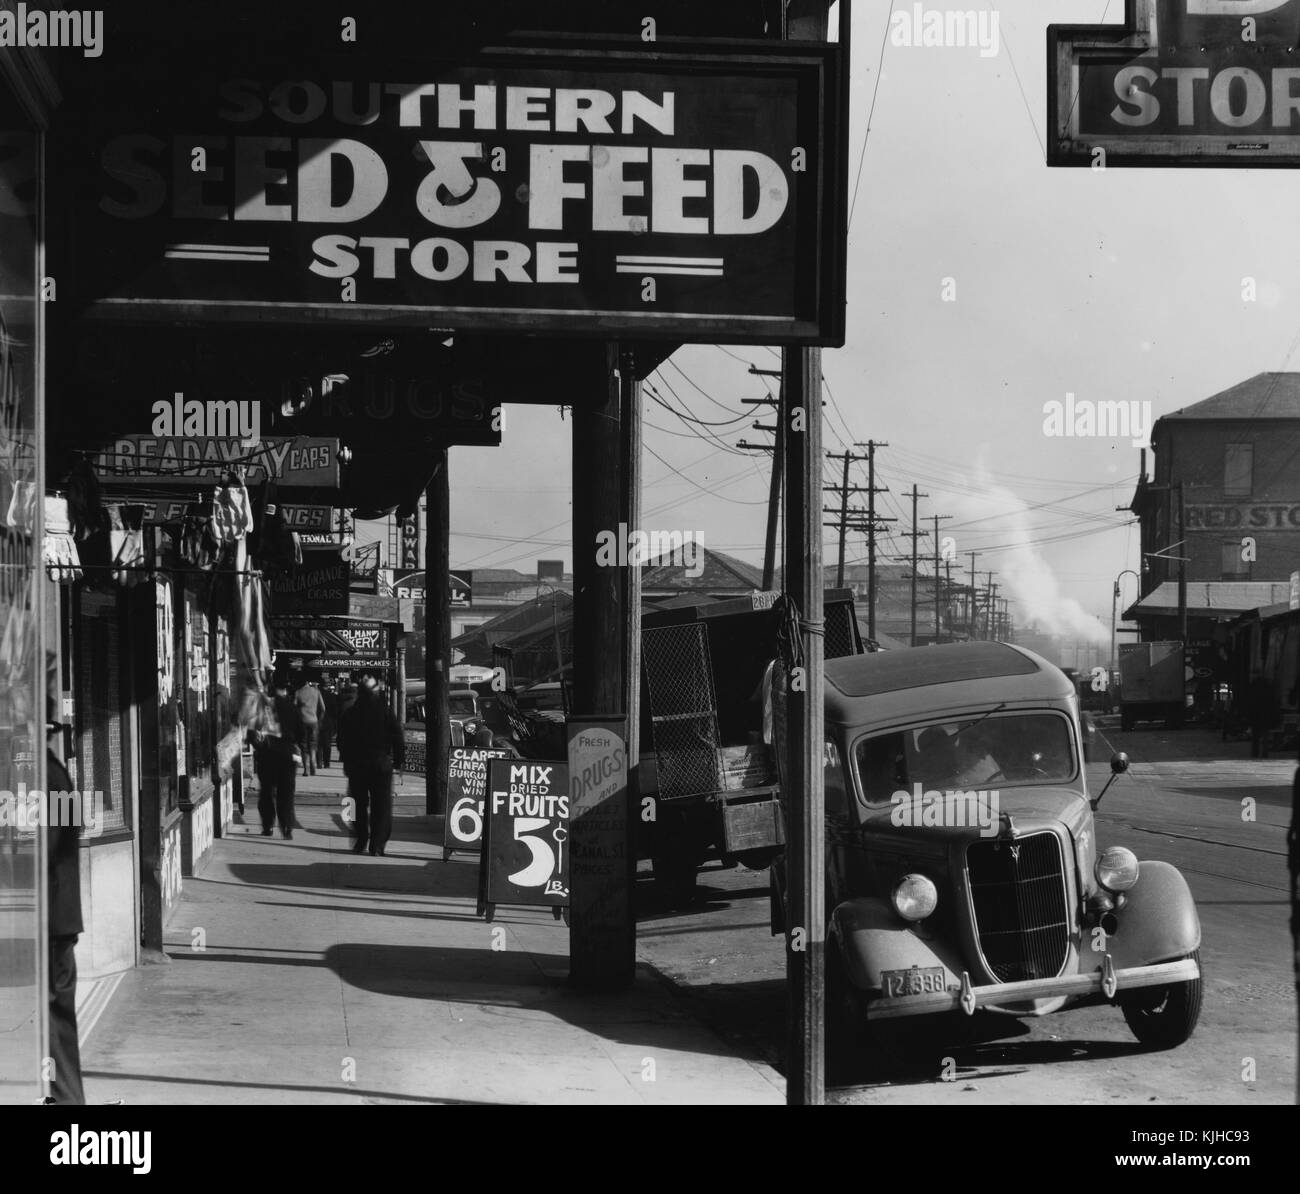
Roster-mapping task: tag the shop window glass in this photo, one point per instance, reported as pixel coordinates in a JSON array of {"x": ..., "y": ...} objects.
[{"x": 101, "y": 699}]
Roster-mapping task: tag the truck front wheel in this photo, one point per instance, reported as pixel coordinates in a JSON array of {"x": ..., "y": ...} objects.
[
  {"x": 1164, "y": 1017},
  {"x": 675, "y": 880}
]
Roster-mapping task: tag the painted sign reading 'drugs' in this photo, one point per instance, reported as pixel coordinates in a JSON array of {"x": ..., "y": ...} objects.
[
  {"x": 1181, "y": 82},
  {"x": 578, "y": 191}
]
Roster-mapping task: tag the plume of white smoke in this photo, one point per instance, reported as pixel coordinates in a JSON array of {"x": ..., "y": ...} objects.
[{"x": 1022, "y": 569}]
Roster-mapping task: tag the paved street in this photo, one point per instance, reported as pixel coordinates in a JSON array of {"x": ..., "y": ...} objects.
[{"x": 1184, "y": 810}]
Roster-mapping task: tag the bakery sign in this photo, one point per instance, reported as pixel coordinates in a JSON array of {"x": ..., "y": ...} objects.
[
  {"x": 1179, "y": 83},
  {"x": 697, "y": 196}
]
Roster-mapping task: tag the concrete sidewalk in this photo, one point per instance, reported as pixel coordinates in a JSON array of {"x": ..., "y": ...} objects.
[{"x": 301, "y": 973}]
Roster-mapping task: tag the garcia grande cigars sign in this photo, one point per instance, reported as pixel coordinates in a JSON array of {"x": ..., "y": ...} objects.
[{"x": 580, "y": 192}]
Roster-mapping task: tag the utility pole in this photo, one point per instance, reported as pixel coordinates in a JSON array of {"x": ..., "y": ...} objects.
[
  {"x": 843, "y": 489},
  {"x": 778, "y": 459},
  {"x": 995, "y": 630},
  {"x": 937, "y": 519},
  {"x": 871, "y": 445},
  {"x": 969, "y": 601},
  {"x": 988, "y": 605},
  {"x": 1182, "y": 569},
  {"x": 914, "y": 535}
]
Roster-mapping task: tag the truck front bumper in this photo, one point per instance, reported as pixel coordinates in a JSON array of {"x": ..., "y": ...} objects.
[{"x": 1106, "y": 980}]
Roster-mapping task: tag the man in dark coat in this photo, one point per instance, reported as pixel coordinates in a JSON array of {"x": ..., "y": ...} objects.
[
  {"x": 64, "y": 876},
  {"x": 275, "y": 763},
  {"x": 370, "y": 744}
]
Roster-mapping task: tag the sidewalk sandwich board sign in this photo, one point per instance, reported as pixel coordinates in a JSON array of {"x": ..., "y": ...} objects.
[
  {"x": 466, "y": 784},
  {"x": 525, "y": 859},
  {"x": 1179, "y": 83}
]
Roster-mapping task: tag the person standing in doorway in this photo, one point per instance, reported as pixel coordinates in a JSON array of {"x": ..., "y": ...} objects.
[
  {"x": 370, "y": 745},
  {"x": 311, "y": 708},
  {"x": 275, "y": 762},
  {"x": 329, "y": 723},
  {"x": 65, "y": 926}
]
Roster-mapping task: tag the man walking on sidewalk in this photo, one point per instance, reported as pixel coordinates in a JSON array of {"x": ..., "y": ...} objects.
[
  {"x": 275, "y": 763},
  {"x": 370, "y": 744},
  {"x": 311, "y": 708}
]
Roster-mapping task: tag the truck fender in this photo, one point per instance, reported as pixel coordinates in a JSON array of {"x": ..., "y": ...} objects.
[
  {"x": 1158, "y": 921},
  {"x": 872, "y": 937}
]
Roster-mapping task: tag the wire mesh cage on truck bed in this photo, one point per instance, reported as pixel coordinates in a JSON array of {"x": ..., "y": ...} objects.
[{"x": 683, "y": 708}]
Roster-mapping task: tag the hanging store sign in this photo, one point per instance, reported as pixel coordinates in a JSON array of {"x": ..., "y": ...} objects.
[
  {"x": 184, "y": 461},
  {"x": 314, "y": 588},
  {"x": 409, "y": 557},
  {"x": 1181, "y": 83},
  {"x": 586, "y": 192}
]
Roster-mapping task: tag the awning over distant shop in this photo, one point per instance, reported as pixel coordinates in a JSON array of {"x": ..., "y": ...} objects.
[{"x": 1217, "y": 599}]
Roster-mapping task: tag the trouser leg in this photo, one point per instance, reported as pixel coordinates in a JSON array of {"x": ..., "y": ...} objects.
[
  {"x": 284, "y": 796},
  {"x": 65, "y": 1052},
  {"x": 361, "y": 801},
  {"x": 381, "y": 806},
  {"x": 266, "y": 785}
]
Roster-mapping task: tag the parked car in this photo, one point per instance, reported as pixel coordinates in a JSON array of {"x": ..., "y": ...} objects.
[{"x": 963, "y": 869}]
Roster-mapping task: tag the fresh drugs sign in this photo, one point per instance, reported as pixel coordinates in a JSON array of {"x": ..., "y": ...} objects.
[
  {"x": 577, "y": 191},
  {"x": 1181, "y": 83}
]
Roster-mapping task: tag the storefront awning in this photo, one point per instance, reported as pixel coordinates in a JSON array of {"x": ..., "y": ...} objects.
[{"x": 1217, "y": 599}]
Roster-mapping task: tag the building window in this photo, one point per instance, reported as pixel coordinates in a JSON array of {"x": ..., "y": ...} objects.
[
  {"x": 1234, "y": 567},
  {"x": 1238, "y": 469}
]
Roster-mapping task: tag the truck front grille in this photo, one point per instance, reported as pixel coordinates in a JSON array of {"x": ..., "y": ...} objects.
[{"x": 1018, "y": 894}]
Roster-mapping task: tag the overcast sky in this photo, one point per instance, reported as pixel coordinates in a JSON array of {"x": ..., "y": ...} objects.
[{"x": 1118, "y": 284}]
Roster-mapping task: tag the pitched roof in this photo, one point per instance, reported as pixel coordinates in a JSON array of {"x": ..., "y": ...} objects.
[
  {"x": 1264, "y": 396},
  {"x": 720, "y": 572}
]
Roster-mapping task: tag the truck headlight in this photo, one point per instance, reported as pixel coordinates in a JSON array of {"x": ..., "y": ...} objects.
[
  {"x": 914, "y": 897},
  {"x": 1117, "y": 869}
]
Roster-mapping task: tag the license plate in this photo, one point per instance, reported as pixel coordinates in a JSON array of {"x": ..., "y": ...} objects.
[{"x": 916, "y": 981}]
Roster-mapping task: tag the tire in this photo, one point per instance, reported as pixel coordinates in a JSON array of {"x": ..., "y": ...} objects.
[
  {"x": 1164, "y": 1017},
  {"x": 675, "y": 880}
]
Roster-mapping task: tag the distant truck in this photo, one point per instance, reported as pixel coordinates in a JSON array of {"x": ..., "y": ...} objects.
[{"x": 1152, "y": 685}]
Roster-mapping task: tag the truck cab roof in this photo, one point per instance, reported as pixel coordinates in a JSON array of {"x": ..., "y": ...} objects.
[{"x": 920, "y": 681}]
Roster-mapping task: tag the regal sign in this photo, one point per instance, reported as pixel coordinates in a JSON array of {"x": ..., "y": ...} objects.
[
  {"x": 1181, "y": 83},
  {"x": 594, "y": 191}
]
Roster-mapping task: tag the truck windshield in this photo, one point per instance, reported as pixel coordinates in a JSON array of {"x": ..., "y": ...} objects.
[
  {"x": 978, "y": 752},
  {"x": 462, "y": 706}
]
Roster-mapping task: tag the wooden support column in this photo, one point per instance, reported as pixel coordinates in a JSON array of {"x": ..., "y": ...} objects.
[
  {"x": 602, "y": 932},
  {"x": 804, "y": 580},
  {"x": 437, "y": 637}
]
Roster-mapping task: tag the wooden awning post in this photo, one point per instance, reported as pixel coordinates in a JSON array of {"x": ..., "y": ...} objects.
[
  {"x": 803, "y": 580},
  {"x": 437, "y": 638},
  {"x": 805, "y": 847},
  {"x": 602, "y": 932}
]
